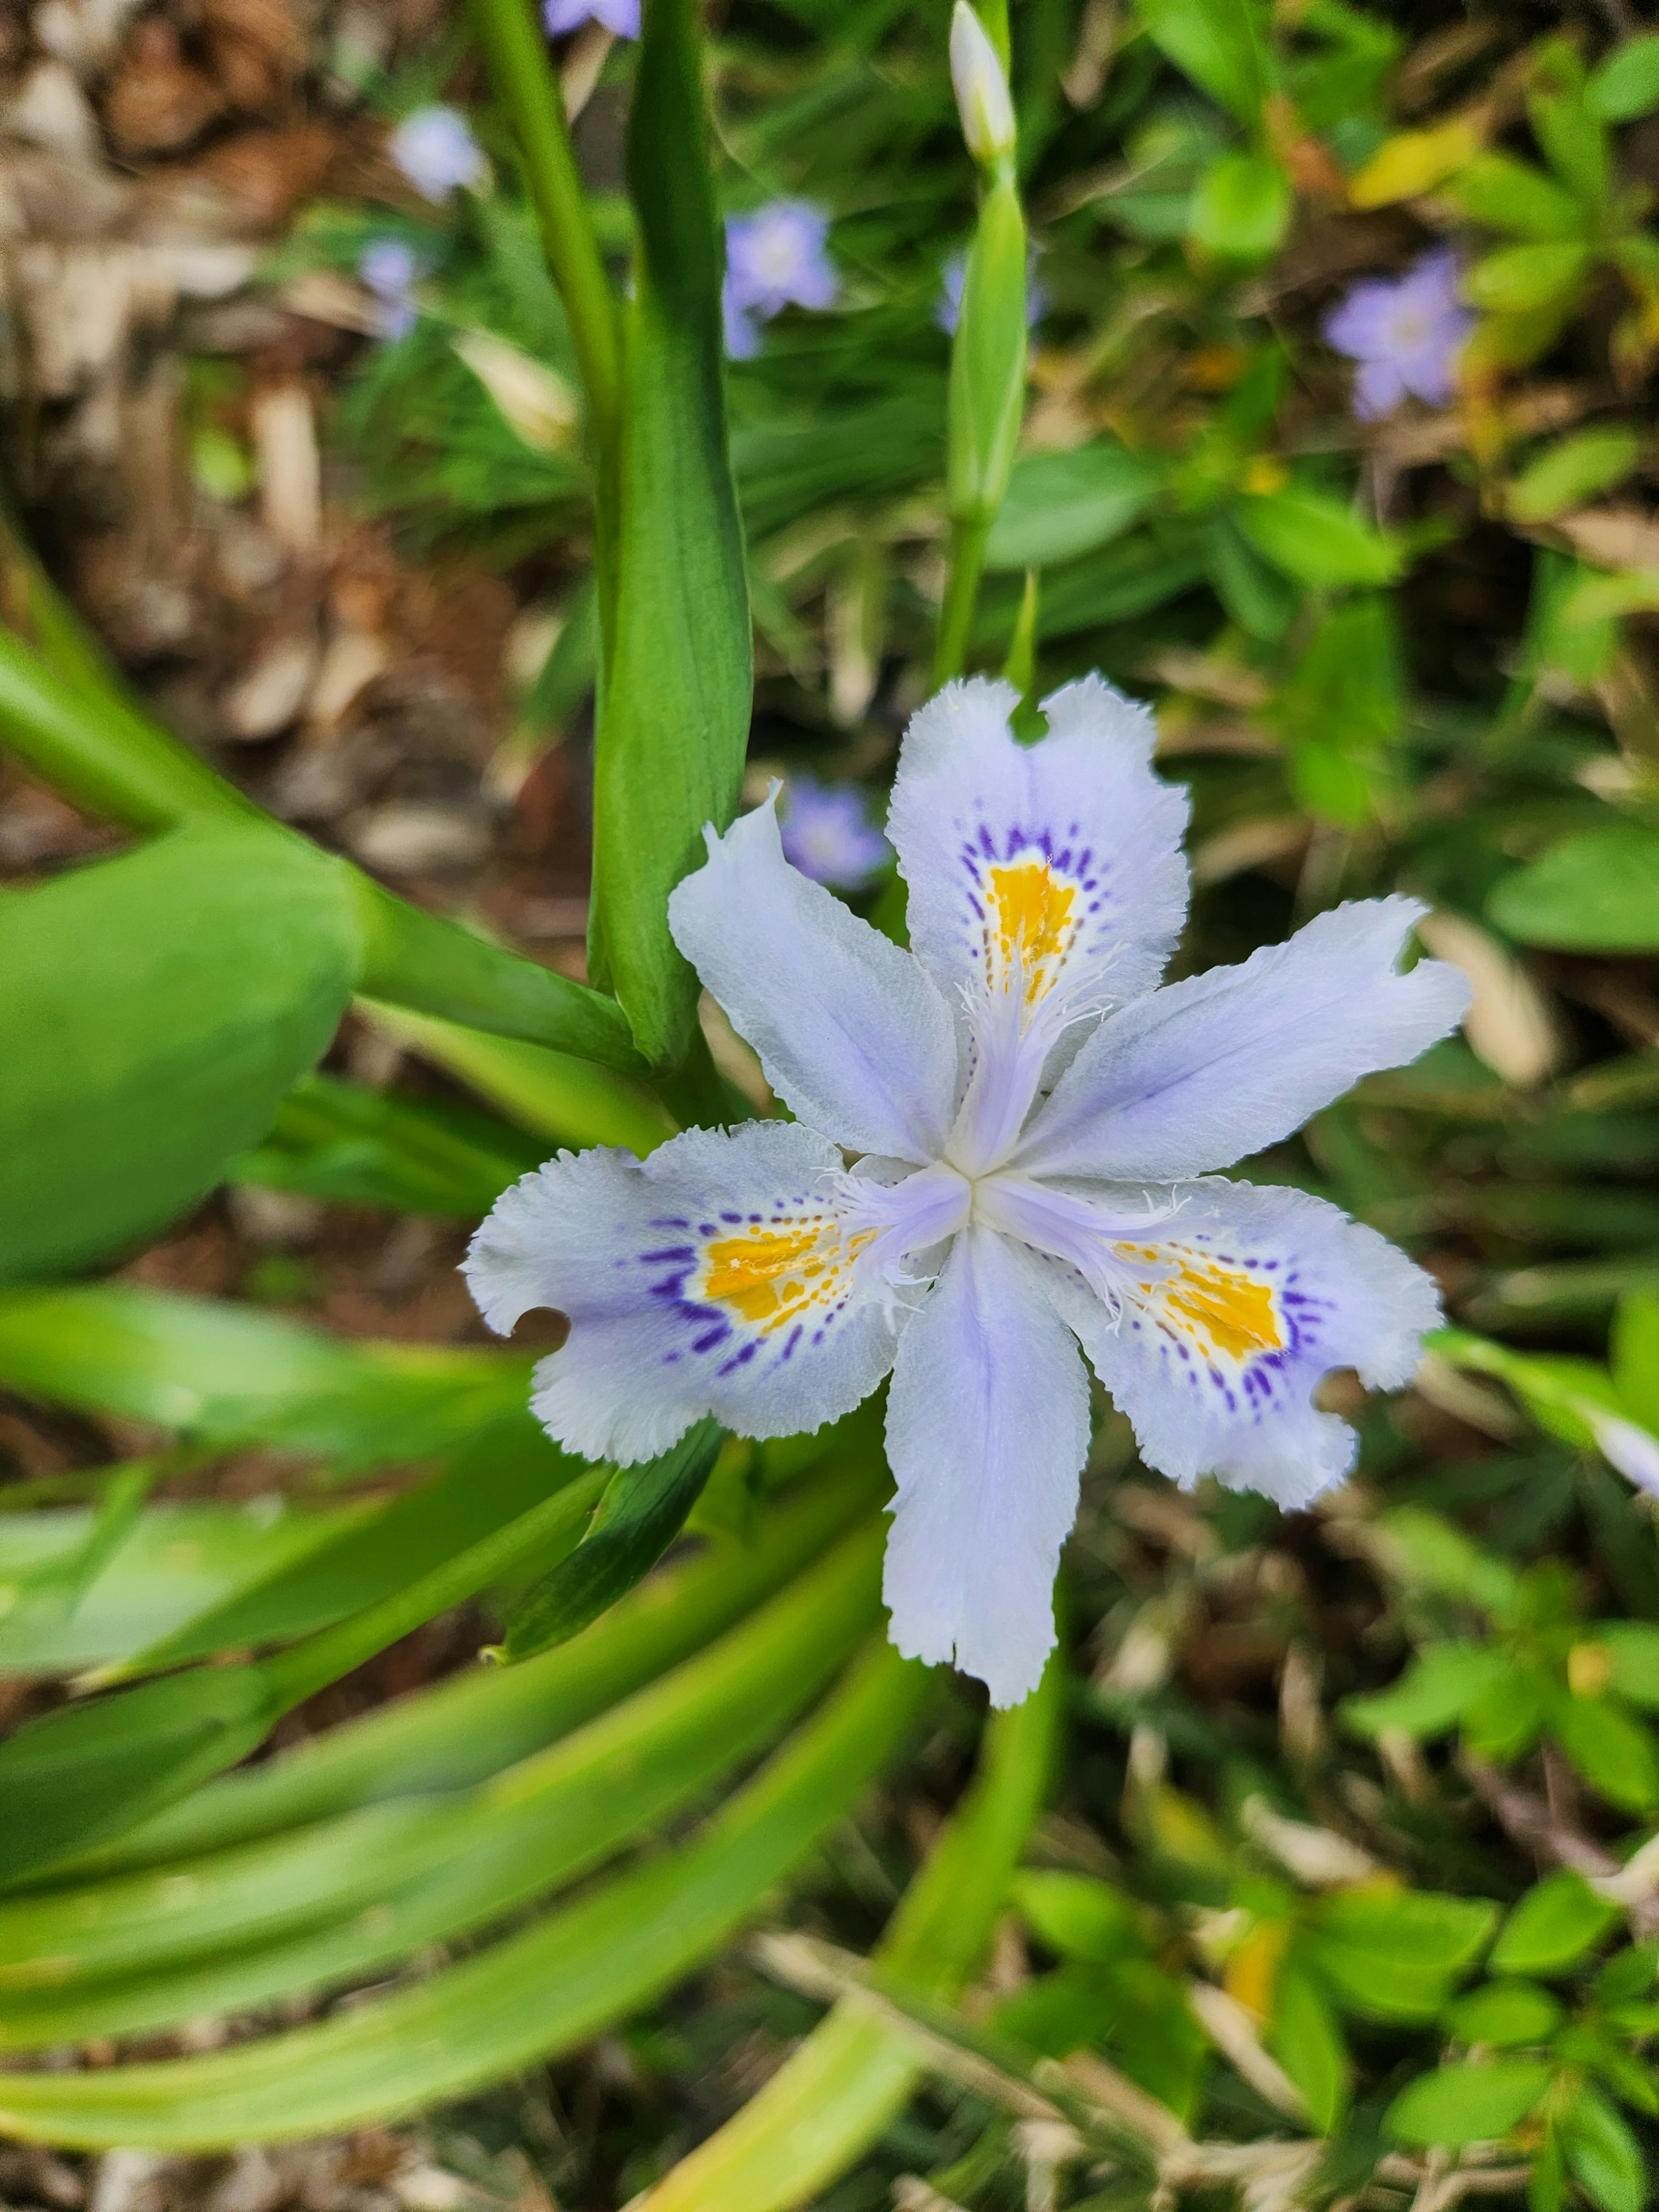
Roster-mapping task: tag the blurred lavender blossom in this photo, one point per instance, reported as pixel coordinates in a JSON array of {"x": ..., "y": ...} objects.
[
  {"x": 1405, "y": 333},
  {"x": 827, "y": 834},
  {"x": 775, "y": 259},
  {"x": 390, "y": 268},
  {"x": 620, "y": 17},
  {"x": 435, "y": 149}
]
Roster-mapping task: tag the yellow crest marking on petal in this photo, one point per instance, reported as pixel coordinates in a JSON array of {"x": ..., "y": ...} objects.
[
  {"x": 1030, "y": 921},
  {"x": 769, "y": 1275},
  {"x": 1217, "y": 1307}
]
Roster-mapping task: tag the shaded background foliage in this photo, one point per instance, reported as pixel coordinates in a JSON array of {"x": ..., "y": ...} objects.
[{"x": 1343, "y": 1860}]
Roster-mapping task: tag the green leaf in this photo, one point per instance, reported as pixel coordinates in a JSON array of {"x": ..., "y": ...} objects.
[
  {"x": 156, "y": 1009},
  {"x": 553, "y": 1095},
  {"x": 473, "y": 1723},
  {"x": 418, "y": 960},
  {"x": 1504, "y": 2014},
  {"x": 340, "y": 1897},
  {"x": 1567, "y": 474},
  {"x": 345, "y": 1142},
  {"x": 1520, "y": 280},
  {"x": 1555, "y": 1924},
  {"x": 1596, "y": 892},
  {"x": 1255, "y": 595},
  {"x": 536, "y": 1993},
  {"x": 1614, "y": 1753},
  {"x": 675, "y": 697},
  {"x": 1242, "y": 210},
  {"x": 1315, "y": 539},
  {"x": 1425, "y": 1548},
  {"x": 641, "y": 1512},
  {"x": 88, "y": 1770},
  {"x": 1605, "y": 2157},
  {"x": 499, "y": 1476},
  {"x": 1060, "y": 505},
  {"x": 228, "y": 1374},
  {"x": 1226, "y": 46},
  {"x": 1433, "y": 1693},
  {"x": 1306, "y": 2038},
  {"x": 837, "y": 2093},
  {"x": 1627, "y": 84},
  {"x": 1565, "y": 124},
  {"x": 1505, "y": 194},
  {"x": 1476, "y": 2102},
  {"x": 1391, "y": 1954},
  {"x": 1078, "y": 1916}
]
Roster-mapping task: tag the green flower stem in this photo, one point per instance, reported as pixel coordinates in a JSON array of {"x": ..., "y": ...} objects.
[
  {"x": 299, "y": 1674},
  {"x": 969, "y": 535},
  {"x": 521, "y": 72}
]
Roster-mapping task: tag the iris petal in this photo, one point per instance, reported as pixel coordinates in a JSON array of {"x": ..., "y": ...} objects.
[
  {"x": 719, "y": 1276},
  {"x": 1247, "y": 1299},
  {"x": 1212, "y": 1069},
  {"x": 987, "y": 1428},
  {"x": 851, "y": 1032}
]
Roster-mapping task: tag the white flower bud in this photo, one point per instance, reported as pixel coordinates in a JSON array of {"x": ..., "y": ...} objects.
[{"x": 981, "y": 88}]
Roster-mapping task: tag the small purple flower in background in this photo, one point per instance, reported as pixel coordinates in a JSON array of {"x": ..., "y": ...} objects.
[
  {"x": 389, "y": 267},
  {"x": 435, "y": 149},
  {"x": 954, "y": 275},
  {"x": 827, "y": 834},
  {"x": 620, "y": 17},
  {"x": 1405, "y": 333},
  {"x": 775, "y": 259}
]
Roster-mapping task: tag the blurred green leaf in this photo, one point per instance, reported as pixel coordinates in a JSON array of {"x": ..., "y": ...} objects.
[
  {"x": 1567, "y": 474},
  {"x": 1393, "y": 1953},
  {"x": 1478, "y": 2101},
  {"x": 348, "y": 1143},
  {"x": 1242, "y": 210},
  {"x": 1060, "y": 505},
  {"x": 226, "y": 1374},
  {"x": 1226, "y": 46},
  {"x": 1627, "y": 84},
  {"x": 674, "y": 707},
  {"x": 1078, "y": 1916},
  {"x": 1505, "y": 194},
  {"x": 1315, "y": 539},
  {"x": 1596, "y": 891},
  {"x": 1555, "y": 1924},
  {"x": 1614, "y": 1753},
  {"x": 1605, "y": 2157},
  {"x": 1504, "y": 2015},
  {"x": 157, "y": 1007},
  {"x": 1517, "y": 280},
  {"x": 1306, "y": 2038},
  {"x": 1433, "y": 1693}
]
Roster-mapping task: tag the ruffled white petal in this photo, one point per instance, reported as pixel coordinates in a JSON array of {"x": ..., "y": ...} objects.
[
  {"x": 1248, "y": 1296},
  {"x": 1211, "y": 1070},
  {"x": 1060, "y": 861},
  {"x": 719, "y": 1276},
  {"x": 987, "y": 1429},
  {"x": 851, "y": 1032}
]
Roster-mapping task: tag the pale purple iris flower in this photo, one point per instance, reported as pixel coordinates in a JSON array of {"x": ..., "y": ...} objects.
[
  {"x": 775, "y": 259},
  {"x": 1406, "y": 332},
  {"x": 1633, "y": 1450},
  {"x": 1037, "y": 1127},
  {"x": 435, "y": 149},
  {"x": 620, "y": 17},
  {"x": 389, "y": 267},
  {"x": 827, "y": 835},
  {"x": 954, "y": 277}
]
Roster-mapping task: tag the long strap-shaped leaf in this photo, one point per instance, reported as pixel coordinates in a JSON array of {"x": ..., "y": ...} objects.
[
  {"x": 338, "y": 1899},
  {"x": 674, "y": 709},
  {"x": 474, "y": 1723},
  {"x": 538, "y": 1993},
  {"x": 836, "y": 2094}
]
